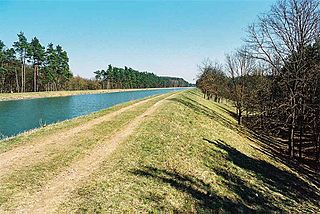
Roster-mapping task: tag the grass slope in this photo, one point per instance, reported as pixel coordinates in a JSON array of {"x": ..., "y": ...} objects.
[{"x": 190, "y": 156}]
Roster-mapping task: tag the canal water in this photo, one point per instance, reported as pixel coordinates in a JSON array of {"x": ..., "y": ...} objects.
[{"x": 21, "y": 115}]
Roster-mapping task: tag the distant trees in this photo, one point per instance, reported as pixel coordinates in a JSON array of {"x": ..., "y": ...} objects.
[
  {"x": 212, "y": 81},
  {"x": 8, "y": 73},
  {"x": 47, "y": 69},
  {"x": 57, "y": 68},
  {"x": 114, "y": 77},
  {"x": 240, "y": 65},
  {"x": 40, "y": 68},
  {"x": 79, "y": 83},
  {"x": 276, "y": 78},
  {"x": 30, "y": 66}
]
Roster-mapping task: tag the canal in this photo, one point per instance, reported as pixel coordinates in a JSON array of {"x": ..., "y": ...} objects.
[{"x": 22, "y": 115}]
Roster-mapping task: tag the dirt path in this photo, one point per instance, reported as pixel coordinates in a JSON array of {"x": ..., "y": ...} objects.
[
  {"x": 59, "y": 188},
  {"x": 31, "y": 153}
]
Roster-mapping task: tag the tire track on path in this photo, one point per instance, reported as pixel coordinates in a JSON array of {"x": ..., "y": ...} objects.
[
  {"x": 58, "y": 189},
  {"x": 31, "y": 153}
]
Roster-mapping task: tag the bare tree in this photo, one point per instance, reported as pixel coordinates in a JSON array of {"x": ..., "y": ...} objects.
[
  {"x": 239, "y": 65},
  {"x": 212, "y": 80},
  {"x": 280, "y": 38}
]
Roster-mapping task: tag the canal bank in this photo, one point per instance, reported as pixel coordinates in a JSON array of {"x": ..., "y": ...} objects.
[
  {"x": 18, "y": 116},
  {"x": 47, "y": 94}
]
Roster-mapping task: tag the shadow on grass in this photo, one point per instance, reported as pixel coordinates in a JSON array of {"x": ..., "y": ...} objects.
[
  {"x": 231, "y": 113},
  {"x": 207, "y": 200},
  {"x": 252, "y": 198},
  {"x": 277, "y": 149},
  {"x": 202, "y": 109},
  {"x": 269, "y": 146},
  {"x": 276, "y": 179}
]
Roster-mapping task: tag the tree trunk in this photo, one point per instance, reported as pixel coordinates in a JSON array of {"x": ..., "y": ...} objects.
[
  {"x": 17, "y": 80},
  {"x": 22, "y": 77},
  {"x": 300, "y": 143},
  {"x": 262, "y": 121},
  {"x": 291, "y": 141},
  {"x": 35, "y": 78},
  {"x": 292, "y": 127},
  {"x": 318, "y": 149},
  {"x": 302, "y": 121},
  {"x": 239, "y": 116}
]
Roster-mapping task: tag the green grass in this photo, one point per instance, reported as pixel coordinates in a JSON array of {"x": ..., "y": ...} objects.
[{"x": 190, "y": 156}]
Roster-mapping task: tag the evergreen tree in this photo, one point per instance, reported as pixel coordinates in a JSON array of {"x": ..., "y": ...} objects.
[
  {"x": 36, "y": 55},
  {"x": 21, "y": 47}
]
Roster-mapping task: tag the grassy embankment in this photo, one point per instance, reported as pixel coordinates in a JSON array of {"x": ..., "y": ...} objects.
[
  {"x": 189, "y": 156},
  {"x": 32, "y": 95}
]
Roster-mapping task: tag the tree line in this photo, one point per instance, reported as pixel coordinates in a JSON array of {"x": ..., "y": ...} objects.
[
  {"x": 29, "y": 66},
  {"x": 273, "y": 80},
  {"x": 114, "y": 77}
]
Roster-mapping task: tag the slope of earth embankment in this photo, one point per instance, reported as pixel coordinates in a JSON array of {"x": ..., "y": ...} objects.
[{"x": 172, "y": 152}]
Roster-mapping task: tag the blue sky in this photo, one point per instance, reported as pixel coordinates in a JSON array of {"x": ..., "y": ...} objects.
[{"x": 165, "y": 37}]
